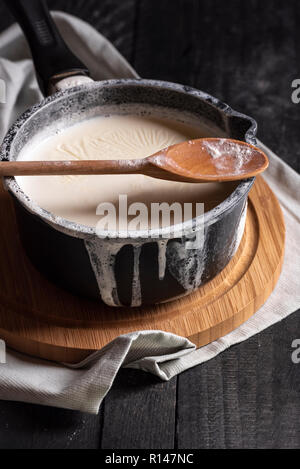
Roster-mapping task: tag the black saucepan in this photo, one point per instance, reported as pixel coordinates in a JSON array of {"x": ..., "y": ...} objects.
[{"x": 129, "y": 271}]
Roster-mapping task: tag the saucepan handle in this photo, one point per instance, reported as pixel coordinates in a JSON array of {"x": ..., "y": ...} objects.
[{"x": 52, "y": 58}]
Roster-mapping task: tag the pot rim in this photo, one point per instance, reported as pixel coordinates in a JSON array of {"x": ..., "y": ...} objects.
[{"x": 83, "y": 231}]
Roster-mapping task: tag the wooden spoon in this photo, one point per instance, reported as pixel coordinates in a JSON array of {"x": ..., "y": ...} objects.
[{"x": 201, "y": 160}]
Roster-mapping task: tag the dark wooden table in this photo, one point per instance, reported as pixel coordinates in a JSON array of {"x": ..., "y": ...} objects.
[{"x": 246, "y": 53}]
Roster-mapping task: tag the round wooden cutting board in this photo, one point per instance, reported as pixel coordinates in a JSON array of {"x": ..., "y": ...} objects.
[{"x": 40, "y": 319}]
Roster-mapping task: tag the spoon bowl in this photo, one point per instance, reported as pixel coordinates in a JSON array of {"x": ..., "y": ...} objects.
[{"x": 209, "y": 160}]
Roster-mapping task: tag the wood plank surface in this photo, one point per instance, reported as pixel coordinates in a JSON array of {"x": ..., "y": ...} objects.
[
  {"x": 246, "y": 53},
  {"x": 25, "y": 426},
  {"x": 137, "y": 404},
  {"x": 247, "y": 397}
]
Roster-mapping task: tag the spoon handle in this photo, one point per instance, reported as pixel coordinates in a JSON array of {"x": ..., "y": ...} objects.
[{"x": 60, "y": 168}]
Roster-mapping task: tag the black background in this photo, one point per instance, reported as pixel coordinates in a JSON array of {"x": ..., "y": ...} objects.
[{"x": 247, "y": 54}]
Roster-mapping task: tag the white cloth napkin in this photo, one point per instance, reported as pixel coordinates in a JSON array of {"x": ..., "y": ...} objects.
[{"x": 84, "y": 386}]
